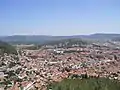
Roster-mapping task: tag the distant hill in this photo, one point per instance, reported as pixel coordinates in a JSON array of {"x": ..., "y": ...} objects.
[
  {"x": 102, "y": 36},
  {"x": 116, "y": 39},
  {"x": 7, "y": 48},
  {"x": 44, "y": 38}
]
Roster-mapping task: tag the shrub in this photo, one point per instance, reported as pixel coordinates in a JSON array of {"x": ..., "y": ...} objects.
[{"x": 86, "y": 84}]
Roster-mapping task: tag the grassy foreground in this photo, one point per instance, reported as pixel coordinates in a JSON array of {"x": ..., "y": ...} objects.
[{"x": 86, "y": 84}]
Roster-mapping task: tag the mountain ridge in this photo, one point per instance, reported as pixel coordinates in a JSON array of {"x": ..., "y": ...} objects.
[{"x": 46, "y": 38}]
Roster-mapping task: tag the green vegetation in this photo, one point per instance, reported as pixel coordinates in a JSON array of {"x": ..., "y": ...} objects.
[
  {"x": 7, "y": 48},
  {"x": 86, "y": 84},
  {"x": 35, "y": 47},
  {"x": 68, "y": 42},
  {"x": 6, "y": 83}
]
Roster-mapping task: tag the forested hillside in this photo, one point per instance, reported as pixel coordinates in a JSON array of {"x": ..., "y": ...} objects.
[{"x": 7, "y": 48}]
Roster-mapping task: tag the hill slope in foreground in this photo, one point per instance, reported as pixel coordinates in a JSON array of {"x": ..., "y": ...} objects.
[{"x": 86, "y": 84}]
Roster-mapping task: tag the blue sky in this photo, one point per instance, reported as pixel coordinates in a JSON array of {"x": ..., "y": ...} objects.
[{"x": 59, "y": 17}]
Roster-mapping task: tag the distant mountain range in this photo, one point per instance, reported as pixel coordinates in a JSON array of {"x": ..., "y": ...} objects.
[{"x": 46, "y": 38}]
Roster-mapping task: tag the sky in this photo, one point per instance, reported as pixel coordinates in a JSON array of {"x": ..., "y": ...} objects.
[{"x": 59, "y": 17}]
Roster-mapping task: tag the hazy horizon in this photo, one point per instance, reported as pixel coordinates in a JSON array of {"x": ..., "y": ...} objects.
[
  {"x": 59, "y": 17},
  {"x": 58, "y": 35}
]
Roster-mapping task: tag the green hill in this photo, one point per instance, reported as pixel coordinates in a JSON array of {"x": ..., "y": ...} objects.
[
  {"x": 7, "y": 48},
  {"x": 67, "y": 42},
  {"x": 86, "y": 84}
]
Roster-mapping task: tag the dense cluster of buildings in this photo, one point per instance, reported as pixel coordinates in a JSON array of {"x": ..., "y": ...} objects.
[{"x": 35, "y": 69}]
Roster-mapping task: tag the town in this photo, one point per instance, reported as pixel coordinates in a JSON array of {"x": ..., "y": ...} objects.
[{"x": 34, "y": 69}]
